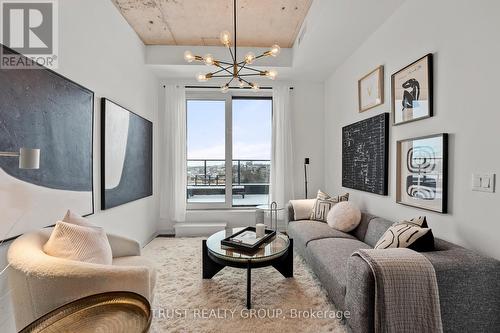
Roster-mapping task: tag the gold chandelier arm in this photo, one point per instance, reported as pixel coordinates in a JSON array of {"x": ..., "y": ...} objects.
[
  {"x": 232, "y": 55},
  {"x": 242, "y": 79},
  {"x": 253, "y": 74},
  {"x": 253, "y": 69},
  {"x": 222, "y": 69},
  {"x": 230, "y": 81},
  {"x": 223, "y": 75},
  {"x": 225, "y": 63}
]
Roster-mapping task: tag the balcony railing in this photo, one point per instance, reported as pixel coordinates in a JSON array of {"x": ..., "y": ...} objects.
[
  {"x": 211, "y": 172},
  {"x": 206, "y": 180}
]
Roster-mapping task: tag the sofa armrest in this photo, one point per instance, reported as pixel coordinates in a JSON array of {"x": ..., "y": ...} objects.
[
  {"x": 291, "y": 213},
  {"x": 467, "y": 282},
  {"x": 123, "y": 247},
  {"x": 360, "y": 295}
]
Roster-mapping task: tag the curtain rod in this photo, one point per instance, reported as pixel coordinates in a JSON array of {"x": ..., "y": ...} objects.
[{"x": 217, "y": 87}]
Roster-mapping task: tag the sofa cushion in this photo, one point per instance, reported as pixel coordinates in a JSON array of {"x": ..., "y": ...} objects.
[
  {"x": 328, "y": 258},
  {"x": 360, "y": 231},
  {"x": 376, "y": 228},
  {"x": 305, "y": 231}
]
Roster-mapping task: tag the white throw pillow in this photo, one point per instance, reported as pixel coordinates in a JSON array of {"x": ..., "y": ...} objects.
[
  {"x": 344, "y": 216},
  {"x": 302, "y": 209},
  {"x": 75, "y": 242},
  {"x": 73, "y": 218}
]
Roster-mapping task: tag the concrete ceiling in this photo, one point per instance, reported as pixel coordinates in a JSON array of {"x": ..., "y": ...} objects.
[
  {"x": 330, "y": 33},
  {"x": 261, "y": 23}
]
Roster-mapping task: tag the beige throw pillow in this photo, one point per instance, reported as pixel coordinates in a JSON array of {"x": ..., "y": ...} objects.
[
  {"x": 75, "y": 242},
  {"x": 73, "y": 218},
  {"x": 413, "y": 234},
  {"x": 324, "y": 202},
  {"x": 344, "y": 216}
]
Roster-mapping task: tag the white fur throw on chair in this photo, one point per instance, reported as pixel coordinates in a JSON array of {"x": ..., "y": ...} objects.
[{"x": 40, "y": 283}]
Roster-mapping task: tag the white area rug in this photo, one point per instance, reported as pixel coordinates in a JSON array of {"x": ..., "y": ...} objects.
[{"x": 184, "y": 302}]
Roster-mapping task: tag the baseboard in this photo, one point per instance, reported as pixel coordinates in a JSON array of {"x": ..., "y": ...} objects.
[
  {"x": 198, "y": 229},
  {"x": 149, "y": 239}
]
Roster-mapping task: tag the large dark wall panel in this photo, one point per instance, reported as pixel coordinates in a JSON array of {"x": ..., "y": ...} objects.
[
  {"x": 365, "y": 147},
  {"x": 42, "y": 109},
  {"x": 127, "y": 155}
]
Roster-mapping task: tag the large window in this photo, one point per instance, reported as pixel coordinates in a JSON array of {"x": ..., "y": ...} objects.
[{"x": 228, "y": 150}]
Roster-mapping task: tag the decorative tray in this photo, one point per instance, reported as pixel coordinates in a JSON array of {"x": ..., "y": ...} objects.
[
  {"x": 107, "y": 312},
  {"x": 244, "y": 240}
]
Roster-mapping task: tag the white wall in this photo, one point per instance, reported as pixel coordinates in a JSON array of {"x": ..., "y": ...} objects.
[
  {"x": 99, "y": 50},
  {"x": 307, "y": 101},
  {"x": 463, "y": 36}
]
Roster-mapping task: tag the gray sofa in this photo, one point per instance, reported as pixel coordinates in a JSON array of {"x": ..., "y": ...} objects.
[{"x": 469, "y": 284}]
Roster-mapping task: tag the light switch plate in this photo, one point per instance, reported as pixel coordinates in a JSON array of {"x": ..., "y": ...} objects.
[{"x": 483, "y": 182}]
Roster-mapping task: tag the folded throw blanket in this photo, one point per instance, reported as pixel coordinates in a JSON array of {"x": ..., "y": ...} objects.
[{"x": 406, "y": 291}]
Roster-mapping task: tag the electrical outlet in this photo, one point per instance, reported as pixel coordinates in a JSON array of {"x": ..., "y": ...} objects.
[{"x": 483, "y": 182}]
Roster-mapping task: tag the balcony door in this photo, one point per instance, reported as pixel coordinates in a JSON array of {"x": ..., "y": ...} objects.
[{"x": 228, "y": 150}]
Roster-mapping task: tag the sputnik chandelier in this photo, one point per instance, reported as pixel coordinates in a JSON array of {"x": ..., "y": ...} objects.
[{"x": 234, "y": 70}]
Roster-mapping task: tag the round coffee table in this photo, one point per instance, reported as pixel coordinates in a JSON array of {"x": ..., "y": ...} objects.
[{"x": 277, "y": 253}]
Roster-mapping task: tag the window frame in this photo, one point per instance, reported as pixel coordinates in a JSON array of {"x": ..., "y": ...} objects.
[{"x": 199, "y": 94}]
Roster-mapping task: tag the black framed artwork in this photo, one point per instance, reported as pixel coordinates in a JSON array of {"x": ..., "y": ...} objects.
[
  {"x": 422, "y": 172},
  {"x": 42, "y": 109},
  {"x": 412, "y": 91},
  {"x": 126, "y": 155},
  {"x": 365, "y": 155}
]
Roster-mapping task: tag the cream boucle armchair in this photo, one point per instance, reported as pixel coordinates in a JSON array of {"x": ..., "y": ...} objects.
[{"x": 40, "y": 283}]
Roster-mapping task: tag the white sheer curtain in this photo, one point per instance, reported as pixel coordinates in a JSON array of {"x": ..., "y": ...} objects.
[
  {"x": 282, "y": 188},
  {"x": 173, "y": 146}
]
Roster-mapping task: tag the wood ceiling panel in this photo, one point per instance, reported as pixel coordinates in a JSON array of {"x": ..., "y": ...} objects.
[{"x": 261, "y": 23}]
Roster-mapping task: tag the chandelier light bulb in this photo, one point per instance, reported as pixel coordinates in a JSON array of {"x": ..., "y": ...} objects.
[
  {"x": 201, "y": 77},
  {"x": 189, "y": 56},
  {"x": 209, "y": 59},
  {"x": 241, "y": 84},
  {"x": 249, "y": 58},
  {"x": 255, "y": 86},
  {"x": 225, "y": 38},
  {"x": 224, "y": 88},
  {"x": 272, "y": 74},
  {"x": 275, "y": 50}
]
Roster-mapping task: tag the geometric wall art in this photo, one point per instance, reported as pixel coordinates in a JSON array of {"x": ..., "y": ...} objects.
[
  {"x": 422, "y": 172},
  {"x": 365, "y": 155},
  {"x": 44, "y": 110},
  {"x": 412, "y": 95},
  {"x": 126, "y": 155}
]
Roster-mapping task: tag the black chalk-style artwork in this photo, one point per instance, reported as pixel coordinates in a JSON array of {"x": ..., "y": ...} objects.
[
  {"x": 126, "y": 155},
  {"x": 422, "y": 172},
  {"x": 412, "y": 95},
  {"x": 365, "y": 158},
  {"x": 42, "y": 109}
]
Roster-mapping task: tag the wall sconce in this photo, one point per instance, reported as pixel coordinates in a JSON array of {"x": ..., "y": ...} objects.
[{"x": 28, "y": 158}]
